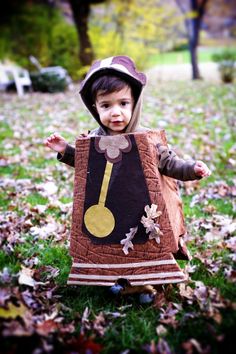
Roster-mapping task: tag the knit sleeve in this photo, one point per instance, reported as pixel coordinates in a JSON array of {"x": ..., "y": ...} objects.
[
  {"x": 172, "y": 166},
  {"x": 68, "y": 157}
]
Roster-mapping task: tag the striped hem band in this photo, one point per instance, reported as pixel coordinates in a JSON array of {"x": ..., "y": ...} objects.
[
  {"x": 124, "y": 265},
  {"x": 133, "y": 283},
  {"x": 129, "y": 277}
]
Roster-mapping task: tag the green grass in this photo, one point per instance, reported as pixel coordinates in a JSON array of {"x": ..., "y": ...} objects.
[
  {"x": 40, "y": 162},
  {"x": 183, "y": 56},
  {"x": 47, "y": 254},
  {"x": 199, "y": 122},
  {"x": 4, "y": 201},
  {"x": 222, "y": 206},
  {"x": 57, "y": 256},
  {"x": 123, "y": 332},
  {"x": 36, "y": 198},
  {"x": 15, "y": 171},
  {"x": 5, "y": 131},
  {"x": 65, "y": 200},
  {"x": 9, "y": 261},
  {"x": 227, "y": 289}
]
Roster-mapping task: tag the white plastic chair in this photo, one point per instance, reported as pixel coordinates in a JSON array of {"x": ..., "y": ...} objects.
[{"x": 10, "y": 74}]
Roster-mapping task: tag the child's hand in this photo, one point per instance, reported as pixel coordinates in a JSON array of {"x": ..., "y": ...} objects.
[
  {"x": 56, "y": 143},
  {"x": 201, "y": 169}
]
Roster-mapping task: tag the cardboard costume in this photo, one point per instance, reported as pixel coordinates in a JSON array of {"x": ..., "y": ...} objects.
[
  {"x": 127, "y": 217},
  {"x": 115, "y": 179}
]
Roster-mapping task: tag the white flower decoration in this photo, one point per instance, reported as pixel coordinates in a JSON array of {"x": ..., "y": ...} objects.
[
  {"x": 150, "y": 224},
  {"x": 113, "y": 146},
  {"x": 127, "y": 241}
]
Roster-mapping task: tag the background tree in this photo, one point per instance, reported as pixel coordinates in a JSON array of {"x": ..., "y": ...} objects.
[
  {"x": 137, "y": 28},
  {"x": 81, "y": 11},
  {"x": 193, "y": 11}
]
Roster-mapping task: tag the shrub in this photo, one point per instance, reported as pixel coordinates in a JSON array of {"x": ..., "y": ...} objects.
[
  {"x": 226, "y": 64},
  {"x": 48, "y": 82},
  {"x": 65, "y": 48}
]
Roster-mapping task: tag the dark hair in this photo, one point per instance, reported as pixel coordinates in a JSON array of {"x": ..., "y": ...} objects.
[{"x": 110, "y": 84}]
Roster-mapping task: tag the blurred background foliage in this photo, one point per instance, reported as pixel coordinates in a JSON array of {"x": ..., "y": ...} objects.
[
  {"x": 48, "y": 30},
  {"x": 41, "y": 31},
  {"x": 137, "y": 28},
  {"x": 117, "y": 27}
]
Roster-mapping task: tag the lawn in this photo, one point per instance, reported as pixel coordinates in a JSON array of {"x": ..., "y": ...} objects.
[
  {"x": 39, "y": 313},
  {"x": 183, "y": 56}
]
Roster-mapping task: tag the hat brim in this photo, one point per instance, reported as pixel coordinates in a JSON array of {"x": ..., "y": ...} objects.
[{"x": 85, "y": 91}]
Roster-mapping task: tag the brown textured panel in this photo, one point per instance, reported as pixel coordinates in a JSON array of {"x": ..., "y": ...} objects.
[
  {"x": 81, "y": 163},
  {"x": 149, "y": 159},
  {"x": 168, "y": 187},
  {"x": 174, "y": 205},
  {"x": 82, "y": 249}
]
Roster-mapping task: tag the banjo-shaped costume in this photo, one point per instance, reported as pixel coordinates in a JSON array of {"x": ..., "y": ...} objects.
[{"x": 127, "y": 220}]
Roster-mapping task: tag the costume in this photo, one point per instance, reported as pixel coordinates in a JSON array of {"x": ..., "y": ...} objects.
[{"x": 127, "y": 218}]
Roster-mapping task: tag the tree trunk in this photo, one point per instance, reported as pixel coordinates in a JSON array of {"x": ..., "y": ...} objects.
[
  {"x": 194, "y": 26},
  {"x": 194, "y": 62},
  {"x": 81, "y": 9}
]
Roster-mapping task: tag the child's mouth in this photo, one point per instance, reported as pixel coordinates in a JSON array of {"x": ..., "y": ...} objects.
[{"x": 117, "y": 122}]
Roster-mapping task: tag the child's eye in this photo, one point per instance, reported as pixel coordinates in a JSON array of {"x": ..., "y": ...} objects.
[
  {"x": 105, "y": 105},
  {"x": 124, "y": 103}
]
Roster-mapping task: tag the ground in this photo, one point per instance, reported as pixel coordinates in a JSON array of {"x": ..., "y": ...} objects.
[
  {"x": 39, "y": 312},
  {"x": 183, "y": 72}
]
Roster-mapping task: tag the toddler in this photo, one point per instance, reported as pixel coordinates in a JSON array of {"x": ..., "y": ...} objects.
[{"x": 112, "y": 92}]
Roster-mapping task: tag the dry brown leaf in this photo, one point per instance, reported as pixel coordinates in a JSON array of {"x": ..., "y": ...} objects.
[
  {"x": 5, "y": 295},
  {"x": 46, "y": 327},
  {"x": 16, "y": 329},
  {"x": 100, "y": 324},
  {"x": 159, "y": 300},
  {"x": 186, "y": 291}
]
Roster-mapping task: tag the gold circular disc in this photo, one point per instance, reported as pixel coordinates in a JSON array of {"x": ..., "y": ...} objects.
[{"x": 99, "y": 220}]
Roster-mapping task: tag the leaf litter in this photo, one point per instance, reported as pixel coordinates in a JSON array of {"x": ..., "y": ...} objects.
[{"x": 31, "y": 307}]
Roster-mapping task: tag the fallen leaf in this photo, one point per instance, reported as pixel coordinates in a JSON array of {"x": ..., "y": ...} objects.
[
  {"x": 13, "y": 311},
  {"x": 186, "y": 291},
  {"x": 99, "y": 324},
  {"x": 5, "y": 294},
  {"x": 192, "y": 346},
  {"x": 168, "y": 315},
  {"x": 163, "y": 347},
  {"x": 85, "y": 323},
  {"x": 47, "y": 189},
  {"x": 46, "y": 327},
  {"x": 25, "y": 277},
  {"x": 16, "y": 329},
  {"x": 161, "y": 330},
  {"x": 83, "y": 345},
  {"x": 159, "y": 300}
]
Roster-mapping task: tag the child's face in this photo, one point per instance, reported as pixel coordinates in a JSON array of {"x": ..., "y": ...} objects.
[{"x": 115, "y": 109}]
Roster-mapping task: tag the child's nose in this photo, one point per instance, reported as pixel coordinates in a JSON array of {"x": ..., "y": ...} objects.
[{"x": 115, "y": 110}]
